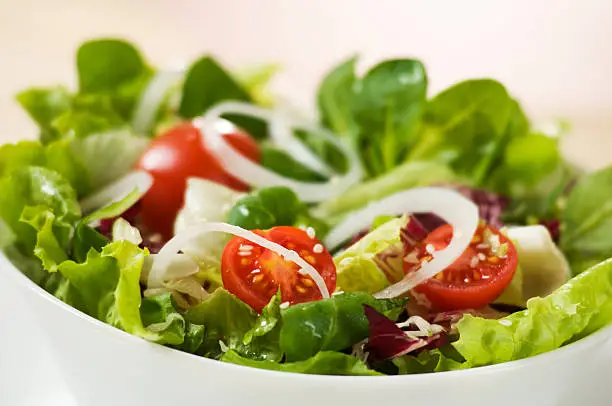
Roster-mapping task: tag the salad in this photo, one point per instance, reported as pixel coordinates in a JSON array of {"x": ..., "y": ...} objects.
[{"x": 393, "y": 234}]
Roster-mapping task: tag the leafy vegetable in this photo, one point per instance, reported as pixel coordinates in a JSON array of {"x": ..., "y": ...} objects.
[
  {"x": 281, "y": 162},
  {"x": 228, "y": 320},
  {"x": 323, "y": 363},
  {"x": 332, "y": 324},
  {"x": 379, "y": 112},
  {"x": 356, "y": 267},
  {"x": 586, "y": 221},
  {"x": 462, "y": 125},
  {"x": 44, "y": 106},
  {"x": 266, "y": 208},
  {"x": 405, "y": 176},
  {"x": 35, "y": 187},
  {"x": 579, "y": 306},
  {"x": 207, "y": 84}
]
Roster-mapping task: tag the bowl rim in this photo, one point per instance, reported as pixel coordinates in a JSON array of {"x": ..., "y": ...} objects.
[{"x": 20, "y": 279}]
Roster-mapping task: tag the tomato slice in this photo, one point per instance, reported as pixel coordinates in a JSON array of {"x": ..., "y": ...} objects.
[
  {"x": 476, "y": 278},
  {"x": 254, "y": 274},
  {"x": 173, "y": 157}
]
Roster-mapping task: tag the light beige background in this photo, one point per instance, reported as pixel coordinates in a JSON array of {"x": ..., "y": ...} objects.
[{"x": 554, "y": 55}]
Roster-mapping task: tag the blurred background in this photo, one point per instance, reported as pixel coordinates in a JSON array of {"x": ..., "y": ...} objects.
[{"x": 553, "y": 55}]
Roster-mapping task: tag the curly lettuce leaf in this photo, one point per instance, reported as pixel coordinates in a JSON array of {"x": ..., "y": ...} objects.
[
  {"x": 332, "y": 324},
  {"x": 45, "y": 105},
  {"x": 35, "y": 187},
  {"x": 323, "y": 363},
  {"x": 577, "y": 308},
  {"x": 356, "y": 268},
  {"x": 108, "y": 288}
]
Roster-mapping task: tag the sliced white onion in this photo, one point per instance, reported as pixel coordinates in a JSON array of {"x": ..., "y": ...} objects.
[
  {"x": 281, "y": 131},
  {"x": 152, "y": 98},
  {"x": 254, "y": 174},
  {"x": 117, "y": 190},
  {"x": 451, "y": 206},
  {"x": 168, "y": 252}
]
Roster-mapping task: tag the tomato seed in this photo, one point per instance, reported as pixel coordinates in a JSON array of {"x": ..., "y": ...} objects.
[
  {"x": 493, "y": 260},
  {"x": 300, "y": 289},
  {"x": 258, "y": 278},
  {"x": 307, "y": 282}
]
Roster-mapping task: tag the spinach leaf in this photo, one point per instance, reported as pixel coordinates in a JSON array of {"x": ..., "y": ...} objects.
[
  {"x": 282, "y": 163},
  {"x": 332, "y": 324},
  {"x": 207, "y": 84},
  {"x": 379, "y": 113},
  {"x": 335, "y": 98},
  {"x": 586, "y": 221},
  {"x": 462, "y": 126},
  {"x": 388, "y": 105},
  {"x": 323, "y": 363},
  {"x": 266, "y": 208}
]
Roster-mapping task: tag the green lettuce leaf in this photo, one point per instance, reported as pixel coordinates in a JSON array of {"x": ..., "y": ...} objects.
[
  {"x": 323, "y": 363},
  {"x": 405, "y": 176},
  {"x": 108, "y": 286},
  {"x": 225, "y": 318},
  {"x": 577, "y": 308},
  {"x": 356, "y": 269},
  {"x": 332, "y": 324},
  {"x": 44, "y": 106},
  {"x": 35, "y": 187}
]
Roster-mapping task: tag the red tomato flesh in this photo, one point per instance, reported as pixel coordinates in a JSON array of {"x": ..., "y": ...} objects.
[
  {"x": 254, "y": 274},
  {"x": 476, "y": 278},
  {"x": 173, "y": 157}
]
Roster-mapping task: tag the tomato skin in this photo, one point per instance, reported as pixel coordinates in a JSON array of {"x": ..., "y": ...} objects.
[
  {"x": 256, "y": 276},
  {"x": 173, "y": 157},
  {"x": 461, "y": 285}
]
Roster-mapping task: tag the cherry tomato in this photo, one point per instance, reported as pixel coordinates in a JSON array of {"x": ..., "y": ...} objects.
[
  {"x": 254, "y": 274},
  {"x": 175, "y": 156},
  {"x": 476, "y": 278}
]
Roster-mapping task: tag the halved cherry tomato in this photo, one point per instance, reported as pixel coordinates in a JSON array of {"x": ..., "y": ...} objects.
[
  {"x": 476, "y": 278},
  {"x": 175, "y": 156},
  {"x": 254, "y": 274}
]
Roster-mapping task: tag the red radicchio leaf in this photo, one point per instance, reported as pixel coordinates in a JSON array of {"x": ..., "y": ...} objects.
[
  {"x": 490, "y": 207},
  {"x": 387, "y": 340}
]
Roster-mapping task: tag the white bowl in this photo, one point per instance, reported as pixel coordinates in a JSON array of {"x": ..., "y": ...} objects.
[{"x": 104, "y": 366}]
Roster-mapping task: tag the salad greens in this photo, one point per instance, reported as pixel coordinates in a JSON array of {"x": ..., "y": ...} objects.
[{"x": 473, "y": 137}]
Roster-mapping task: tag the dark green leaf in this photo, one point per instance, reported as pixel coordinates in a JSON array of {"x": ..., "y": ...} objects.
[
  {"x": 282, "y": 163},
  {"x": 207, "y": 84},
  {"x": 388, "y": 104},
  {"x": 586, "y": 221},
  {"x": 266, "y": 208},
  {"x": 335, "y": 97},
  {"x": 332, "y": 324},
  {"x": 463, "y": 124}
]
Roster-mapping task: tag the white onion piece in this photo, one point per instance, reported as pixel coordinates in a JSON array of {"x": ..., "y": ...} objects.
[
  {"x": 152, "y": 98},
  {"x": 451, "y": 206},
  {"x": 281, "y": 131},
  {"x": 254, "y": 174},
  {"x": 168, "y": 252},
  {"x": 117, "y": 190}
]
